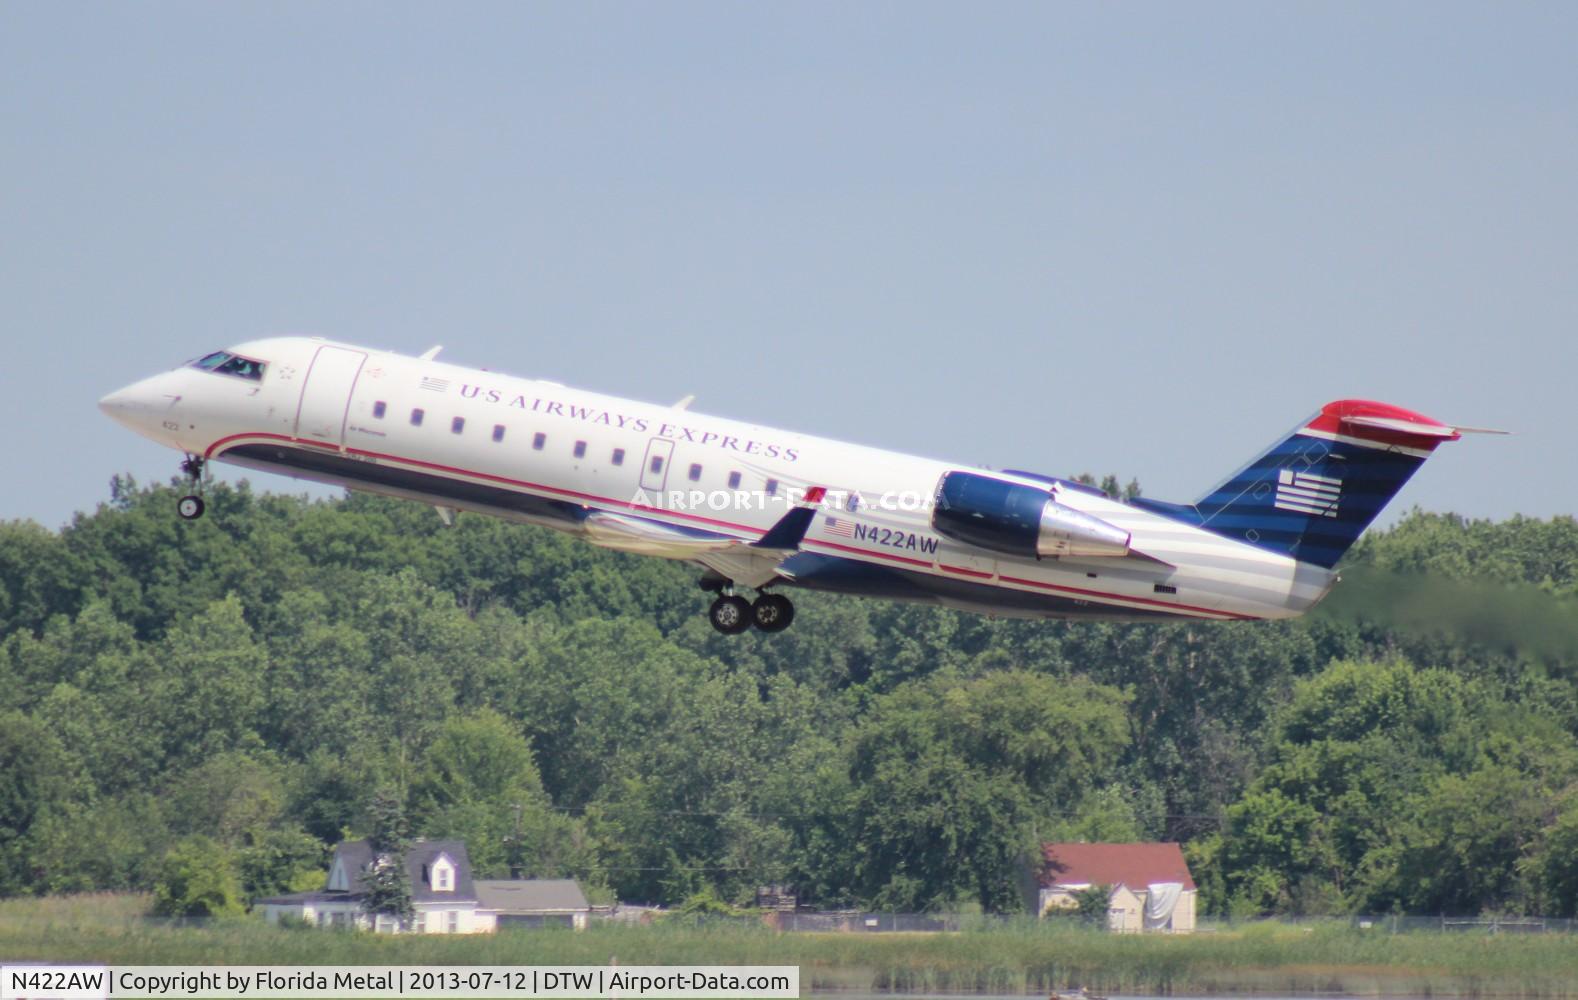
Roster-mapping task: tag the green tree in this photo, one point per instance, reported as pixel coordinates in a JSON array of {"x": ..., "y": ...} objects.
[
  {"x": 197, "y": 879},
  {"x": 952, "y": 776},
  {"x": 32, "y": 777},
  {"x": 479, "y": 783},
  {"x": 388, "y": 885},
  {"x": 1093, "y": 903}
]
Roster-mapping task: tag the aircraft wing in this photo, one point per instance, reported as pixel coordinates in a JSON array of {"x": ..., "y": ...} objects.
[{"x": 748, "y": 564}]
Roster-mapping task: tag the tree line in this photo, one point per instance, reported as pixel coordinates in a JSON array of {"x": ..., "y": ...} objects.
[{"x": 206, "y": 707}]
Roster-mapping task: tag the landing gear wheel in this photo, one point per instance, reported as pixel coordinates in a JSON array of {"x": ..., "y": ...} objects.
[
  {"x": 772, "y": 612},
  {"x": 730, "y": 615},
  {"x": 190, "y": 507}
]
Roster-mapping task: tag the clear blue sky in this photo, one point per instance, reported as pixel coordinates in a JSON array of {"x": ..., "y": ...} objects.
[{"x": 1136, "y": 238}]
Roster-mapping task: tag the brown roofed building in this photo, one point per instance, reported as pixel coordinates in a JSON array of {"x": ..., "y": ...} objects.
[{"x": 1152, "y": 889}]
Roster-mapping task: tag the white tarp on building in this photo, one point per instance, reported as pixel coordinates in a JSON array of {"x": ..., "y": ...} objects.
[{"x": 1161, "y": 898}]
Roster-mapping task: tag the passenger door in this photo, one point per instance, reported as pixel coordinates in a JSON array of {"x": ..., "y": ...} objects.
[{"x": 326, "y": 395}]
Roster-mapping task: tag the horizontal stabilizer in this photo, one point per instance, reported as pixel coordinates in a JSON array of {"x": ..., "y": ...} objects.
[
  {"x": 1415, "y": 425},
  {"x": 1404, "y": 427},
  {"x": 1479, "y": 430}
]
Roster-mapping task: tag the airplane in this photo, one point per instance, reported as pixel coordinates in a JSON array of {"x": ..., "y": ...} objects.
[{"x": 764, "y": 510}]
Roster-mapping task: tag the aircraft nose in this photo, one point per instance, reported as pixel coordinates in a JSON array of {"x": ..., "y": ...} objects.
[
  {"x": 118, "y": 402},
  {"x": 126, "y": 405},
  {"x": 141, "y": 406}
]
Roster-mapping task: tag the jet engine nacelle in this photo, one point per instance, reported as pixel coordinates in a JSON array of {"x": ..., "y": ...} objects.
[{"x": 1019, "y": 520}]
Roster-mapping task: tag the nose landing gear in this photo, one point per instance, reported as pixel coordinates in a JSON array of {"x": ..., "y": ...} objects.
[
  {"x": 191, "y": 506},
  {"x": 732, "y": 614}
]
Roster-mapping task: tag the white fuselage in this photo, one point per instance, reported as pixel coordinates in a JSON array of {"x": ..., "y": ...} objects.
[{"x": 543, "y": 453}]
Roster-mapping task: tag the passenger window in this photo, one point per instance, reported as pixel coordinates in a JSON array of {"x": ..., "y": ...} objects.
[
  {"x": 853, "y": 503},
  {"x": 457, "y": 425},
  {"x": 734, "y": 480},
  {"x": 416, "y": 418},
  {"x": 695, "y": 472},
  {"x": 657, "y": 463},
  {"x": 498, "y": 432},
  {"x": 538, "y": 440},
  {"x": 619, "y": 456},
  {"x": 378, "y": 410},
  {"x": 771, "y": 487},
  {"x": 580, "y": 449}
]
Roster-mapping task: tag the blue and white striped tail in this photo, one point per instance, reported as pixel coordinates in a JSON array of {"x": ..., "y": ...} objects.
[{"x": 1313, "y": 493}]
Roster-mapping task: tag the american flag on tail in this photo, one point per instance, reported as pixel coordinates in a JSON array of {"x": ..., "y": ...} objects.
[{"x": 1307, "y": 493}]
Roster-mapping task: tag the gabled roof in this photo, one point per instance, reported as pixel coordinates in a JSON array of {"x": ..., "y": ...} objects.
[
  {"x": 1133, "y": 865},
  {"x": 356, "y": 855},
  {"x": 537, "y": 895}
]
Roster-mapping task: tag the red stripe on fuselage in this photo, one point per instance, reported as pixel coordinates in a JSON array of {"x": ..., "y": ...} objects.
[
  {"x": 745, "y": 528},
  {"x": 505, "y": 480}
]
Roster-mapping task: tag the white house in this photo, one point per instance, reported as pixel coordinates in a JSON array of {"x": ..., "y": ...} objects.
[
  {"x": 445, "y": 897},
  {"x": 1152, "y": 889}
]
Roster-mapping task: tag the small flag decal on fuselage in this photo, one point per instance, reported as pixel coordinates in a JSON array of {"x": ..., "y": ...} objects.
[
  {"x": 435, "y": 384},
  {"x": 844, "y": 528},
  {"x": 1307, "y": 493}
]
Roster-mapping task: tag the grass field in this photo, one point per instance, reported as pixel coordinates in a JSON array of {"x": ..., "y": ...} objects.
[{"x": 1029, "y": 958}]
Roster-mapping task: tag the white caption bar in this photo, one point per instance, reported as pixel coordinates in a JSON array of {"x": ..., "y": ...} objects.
[{"x": 140, "y": 982}]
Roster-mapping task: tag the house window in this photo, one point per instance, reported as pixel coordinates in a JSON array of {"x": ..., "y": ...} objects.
[
  {"x": 416, "y": 417},
  {"x": 770, "y": 487},
  {"x": 457, "y": 425},
  {"x": 695, "y": 472},
  {"x": 619, "y": 456},
  {"x": 454, "y": 921},
  {"x": 580, "y": 449},
  {"x": 498, "y": 432},
  {"x": 443, "y": 878},
  {"x": 419, "y": 923},
  {"x": 378, "y": 410},
  {"x": 538, "y": 440},
  {"x": 734, "y": 480}
]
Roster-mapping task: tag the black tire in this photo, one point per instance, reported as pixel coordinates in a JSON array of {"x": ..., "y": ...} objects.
[
  {"x": 190, "y": 508},
  {"x": 730, "y": 615},
  {"x": 772, "y": 612}
]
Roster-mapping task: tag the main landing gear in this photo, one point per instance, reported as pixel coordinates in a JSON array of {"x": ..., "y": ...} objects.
[
  {"x": 191, "y": 506},
  {"x": 732, "y": 614}
]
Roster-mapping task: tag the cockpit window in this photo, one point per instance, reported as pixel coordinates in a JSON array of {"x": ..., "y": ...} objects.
[{"x": 226, "y": 363}]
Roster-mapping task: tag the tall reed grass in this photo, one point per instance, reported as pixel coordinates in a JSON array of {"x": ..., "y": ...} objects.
[{"x": 1026, "y": 957}]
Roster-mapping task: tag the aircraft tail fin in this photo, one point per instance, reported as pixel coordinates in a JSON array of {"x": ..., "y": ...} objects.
[{"x": 1312, "y": 493}]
